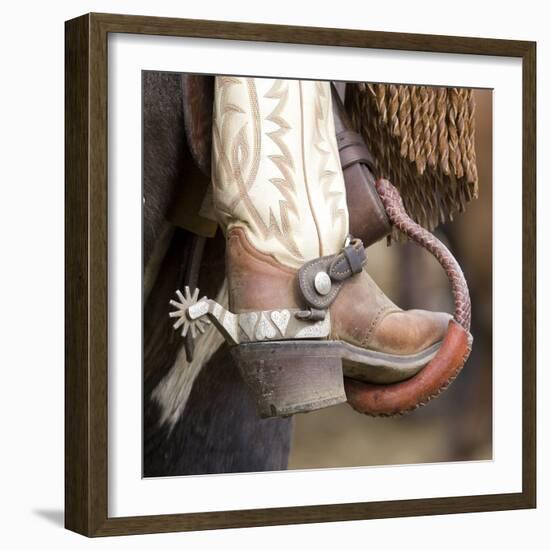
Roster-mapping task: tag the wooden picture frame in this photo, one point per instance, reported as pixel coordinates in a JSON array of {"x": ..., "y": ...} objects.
[{"x": 86, "y": 415}]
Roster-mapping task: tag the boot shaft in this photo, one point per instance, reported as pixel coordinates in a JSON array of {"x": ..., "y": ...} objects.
[{"x": 276, "y": 171}]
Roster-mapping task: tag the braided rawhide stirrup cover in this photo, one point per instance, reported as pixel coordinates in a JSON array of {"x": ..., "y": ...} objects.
[{"x": 402, "y": 397}]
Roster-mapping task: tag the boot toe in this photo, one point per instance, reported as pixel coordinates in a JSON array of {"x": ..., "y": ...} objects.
[{"x": 409, "y": 332}]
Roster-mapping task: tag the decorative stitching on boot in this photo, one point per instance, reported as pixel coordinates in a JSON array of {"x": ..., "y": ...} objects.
[
  {"x": 237, "y": 162},
  {"x": 239, "y": 234},
  {"x": 375, "y": 322}
]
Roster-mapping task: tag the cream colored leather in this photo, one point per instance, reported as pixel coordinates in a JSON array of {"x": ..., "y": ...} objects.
[{"x": 276, "y": 169}]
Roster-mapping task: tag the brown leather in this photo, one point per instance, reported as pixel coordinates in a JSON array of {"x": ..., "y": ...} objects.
[
  {"x": 367, "y": 217},
  {"x": 353, "y": 149},
  {"x": 198, "y": 101},
  {"x": 391, "y": 399},
  {"x": 339, "y": 267},
  {"x": 364, "y": 316},
  {"x": 186, "y": 203},
  {"x": 361, "y": 314},
  {"x": 349, "y": 262},
  {"x": 190, "y": 277},
  {"x": 257, "y": 281}
]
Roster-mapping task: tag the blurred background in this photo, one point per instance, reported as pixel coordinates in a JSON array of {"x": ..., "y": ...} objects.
[{"x": 458, "y": 425}]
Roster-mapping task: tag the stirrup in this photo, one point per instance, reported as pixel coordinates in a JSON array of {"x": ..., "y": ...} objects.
[{"x": 437, "y": 375}]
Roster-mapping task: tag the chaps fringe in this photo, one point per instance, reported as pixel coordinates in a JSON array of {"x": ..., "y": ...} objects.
[{"x": 423, "y": 140}]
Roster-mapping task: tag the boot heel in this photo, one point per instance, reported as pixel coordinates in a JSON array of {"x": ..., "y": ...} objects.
[{"x": 291, "y": 377}]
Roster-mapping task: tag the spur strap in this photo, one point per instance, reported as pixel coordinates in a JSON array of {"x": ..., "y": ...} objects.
[{"x": 321, "y": 279}]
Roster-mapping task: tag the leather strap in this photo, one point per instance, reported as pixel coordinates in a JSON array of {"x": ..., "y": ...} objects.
[
  {"x": 352, "y": 149},
  {"x": 190, "y": 277},
  {"x": 338, "y": 267},
  {"x": 367, "y": 217},
  {"x": 349, "y": 262},
  {"x": 198, "y": 103}
]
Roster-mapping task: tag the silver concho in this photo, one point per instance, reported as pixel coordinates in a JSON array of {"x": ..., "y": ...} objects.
[{"x": 322, "y": 283}]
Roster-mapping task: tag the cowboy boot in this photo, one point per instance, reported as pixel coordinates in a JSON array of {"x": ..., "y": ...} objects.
[{"x": 301, "y": 304}]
